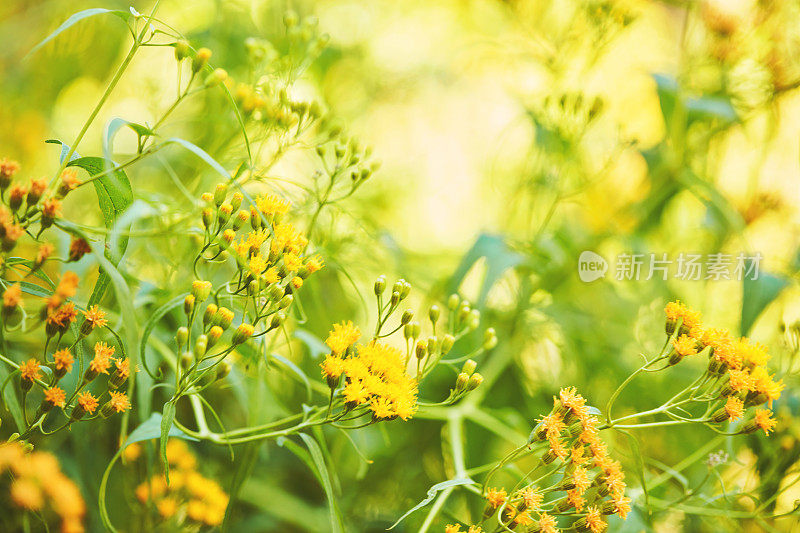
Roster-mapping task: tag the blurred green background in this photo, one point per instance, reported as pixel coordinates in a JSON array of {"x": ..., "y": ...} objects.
[{"x": 513, "y": 136}]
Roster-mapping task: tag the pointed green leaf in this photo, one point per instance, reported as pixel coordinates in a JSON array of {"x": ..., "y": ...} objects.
[{"x": 77, "y": 17}]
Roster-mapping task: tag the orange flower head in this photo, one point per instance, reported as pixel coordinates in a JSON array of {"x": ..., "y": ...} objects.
[
  {"x": 95, "y": 317},
  {"x": 78, "y": 247},
  {"x": 314, "y": 264},
  {"x": 119, "y": 401},
  {"x": 64, "y": 360},
  {"x": 55, "y": 396},
  {"x": 30, "y": 370},
  {"x": 594, "y": 520},
  {"x": 622, "y": 506},
  {"x": 685, "y": 345},
  {"x": 12, "y": 296},
  {"x": 87, "y": 402},
  {"x": 547, "y": 523},
  {"x": 734, "y": 407},
  {"x": 496, "y": 497},
  {"x": 764, "y": 420}
]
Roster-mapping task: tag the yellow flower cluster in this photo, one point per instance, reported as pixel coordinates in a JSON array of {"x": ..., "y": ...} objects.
[
  {"x": 202, "y": 500},
  {"x": 271, "y": 251},
  {"x": 37, "y": 483},
  {"x": 375, "y": 374},
  {"x": 738, "y": 364},
  {"x": 591, "y": 481}
]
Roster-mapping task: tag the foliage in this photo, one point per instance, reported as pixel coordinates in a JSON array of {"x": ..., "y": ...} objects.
[{"x": 251, "y": 322}]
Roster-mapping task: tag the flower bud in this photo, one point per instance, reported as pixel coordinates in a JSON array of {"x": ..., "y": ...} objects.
[
  {"x": 201, "y": 289},
  {"x": 214, "y": 335},
  {"x": 186, "y": 360},
  {"x": 380, "y": 285},
  {"x": 474, "y": 382},
  {"x": 290, "y": 19},
  {"x": 7, "y": 170},
  {"x": 286, "y": 301},
  {"x": 209, "y": 313},
  {"x": 16, "y": 196},
  {"x": 489, "y": 339},
  {"x": 36, "y": 190},
  {"x": 447, "y": 343},
  {"x": 182, "y": 336},
  {"x": 469, "y": 367},
  {"x": 208, "y": 217},
  {"x": 181, "y": 50},
  {"x": 201, "y": 59},
  {"x": 421, "y": 349},
  {"x": 243, "y": 332},
  {"x": 405, "y": 288},
  {"x": 433, "y": 314},
  {"x": 242, "y": 218},
  {"x": 223, "y": 318},
  {"x": 408, "y": 315},
  {"x": 219, "y": 75},
  {"x": 255, "y": 218},
  {"x": 432, "y": 343},
  {"x": 395, "y": 298},
  {"x": 453, "y": 301},
  {"x": 200, "y": 346},
  {"x": 277, "y": 320},
  {"x": 236, "y": 200},
  {"x": 461, "y": 381},
  {"x": 224, "y": 214},
  {"x": 720, "y": 415},
  {"x": 220, "y": 192},
  {"x": 188, "y": 304},
  {"x": 474, "y": 319}
]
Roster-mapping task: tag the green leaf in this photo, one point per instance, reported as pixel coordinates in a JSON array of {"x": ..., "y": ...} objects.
[
  {"x": 64, "y": 150},
  {"x": 147, "y": 430},
  {"x": 167, "y": 418},
  {"x": 316, "y": 462},
  {"x": 244, "y": 468},
  {"x": 324, "y": 476},
  {"x": 756, "y": 295},
  {"x": 499, "y": 258},
  {"x": 114, "y": 195},
  {"x": 432, "y": 494},
  {"x": 77, "y": 17},
  {"x": 113, "y": 126}
]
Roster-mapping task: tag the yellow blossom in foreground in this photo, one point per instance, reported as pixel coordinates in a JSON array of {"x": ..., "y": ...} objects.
[
  {"x": 764, "y": 420},
  {"x": 95, "y": 317},
  {"x": 496, "y": 497},
  {"x": 342, "y": 337},
  {"x": 29, "y": 370},
  {"x": 64, "y": 360},
  {"x": 55, "y": 396}
]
